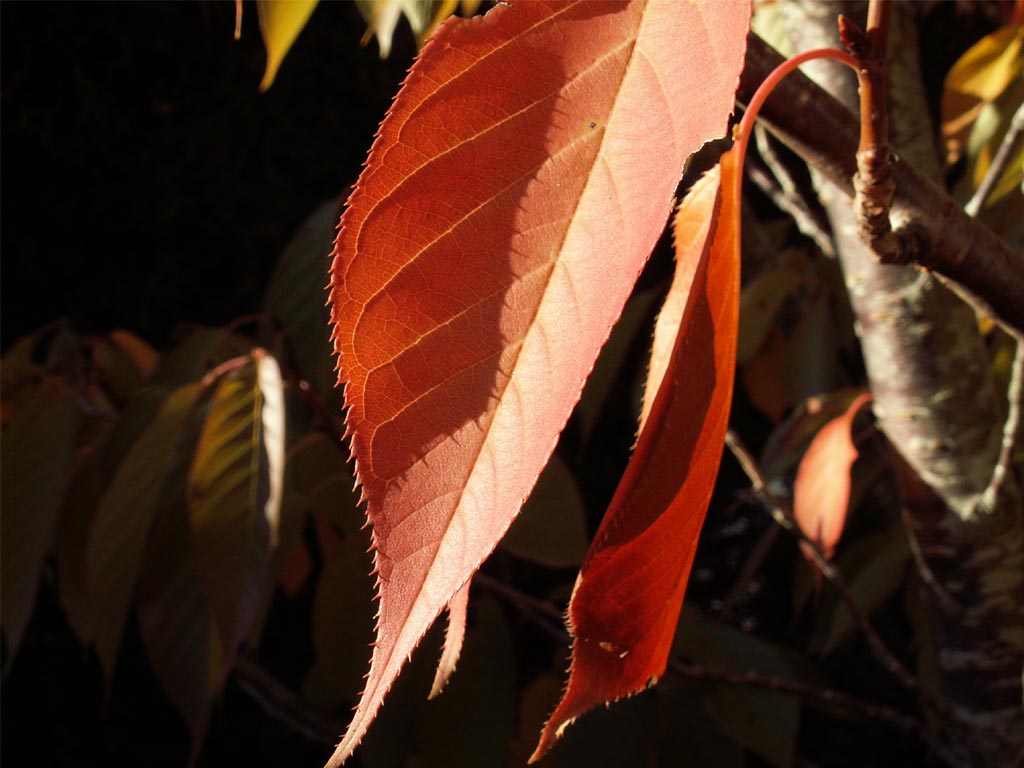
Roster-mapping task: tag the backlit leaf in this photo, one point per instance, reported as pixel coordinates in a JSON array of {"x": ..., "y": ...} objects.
[
  {"x": 821, "y": 493},
  {"x": 627, "y": 599},
  {"x": 515, "y": 189},
  {"x": 234, "y": 492},
  {"x": 976, "y": 79},
  {"x": 382, "y": 17},
  {"x": 458, "y": 608},
  {"x": 280, "y": 23},
  {"x": 36, "y": 461}
]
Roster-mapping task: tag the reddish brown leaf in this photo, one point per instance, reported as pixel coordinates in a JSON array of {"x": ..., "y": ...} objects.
[
  {"x": 821, "y": 494},
  {"x": 458, "y": 608},
  {"x": 513, "y": 193},
  {"x": 626, "y": 603}
]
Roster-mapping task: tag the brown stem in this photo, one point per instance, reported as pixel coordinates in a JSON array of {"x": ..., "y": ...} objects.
[
  {"x": 547, "y": 617},
  {"x": 827, "y": 136},
  {"x": 873, "y": 183}
]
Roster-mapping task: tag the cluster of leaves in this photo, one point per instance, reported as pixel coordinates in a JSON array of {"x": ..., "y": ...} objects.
[
  {"x": 140, "y": 488},
  {"x": 196, "y": 489}
]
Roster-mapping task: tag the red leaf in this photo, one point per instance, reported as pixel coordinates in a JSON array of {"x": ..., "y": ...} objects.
[
  {"x": 626, "y": 603},
  {"x": 514, "y": 191},
  {"x": 821, "y": 494}
]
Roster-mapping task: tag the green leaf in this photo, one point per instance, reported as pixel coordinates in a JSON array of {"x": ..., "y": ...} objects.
[
  {"x": 176, "y": 620},
  {"x": 234, "y": 492},
  {"x": 342, "y": 625},
  {"x": 874, "y": 568},
  {"x": 196, "y": 355},
  {"x": 551, "y": 529},
  {"x": 108, "y": 450},
  {"x": 281, "y": 21},
  {"x": 36, "y": 462},
  {"x": 319, "y": 471},
  {"x": 117, "y": 539},
  {"x": 765, "y": 722},
  {"x": 295, "y": 299}
]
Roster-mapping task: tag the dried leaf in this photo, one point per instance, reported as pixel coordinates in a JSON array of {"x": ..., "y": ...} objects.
[
  {"x": 627, "y": 599},
  {"x": 468, "y": 315},
  {"x": 821, "y": 493}
]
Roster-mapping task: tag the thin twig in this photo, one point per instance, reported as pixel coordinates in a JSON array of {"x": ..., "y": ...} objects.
[
  {"x": 1011, "y": 430},
  {"x": 999, "y": 163},
  {"x": 782, "y": 514},
  {"x": 873, "y": 183},
  {"x": 285, "y": 705},
  {"x": 786, "y": 195},
  {"x": 836, "y": 702},
  {"x": 947, "y": 241}
]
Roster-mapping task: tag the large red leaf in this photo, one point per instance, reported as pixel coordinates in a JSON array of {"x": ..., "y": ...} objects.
[
  {"x": 514, "y": 191},
  {"x": 626, "y": 603},
  {"x": 821, "y": 493}
]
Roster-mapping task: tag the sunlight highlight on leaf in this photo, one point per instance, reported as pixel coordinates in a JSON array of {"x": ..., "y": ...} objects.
[
  {"x": 281, "y": 21},
  {"x": 468, "y": 315},
  {"x": 821, "y": 493},
  {"x": 630, "y": 590},
  {"x": 234, "y": 492}
]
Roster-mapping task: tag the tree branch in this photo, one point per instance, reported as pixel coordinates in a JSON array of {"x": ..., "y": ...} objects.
[
  {"x": 999, "y": 163},
  {"x": 824, "y": 133}
]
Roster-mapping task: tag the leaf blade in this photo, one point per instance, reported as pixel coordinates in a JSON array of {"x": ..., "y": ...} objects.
[
  {"x": 821, "y": 493},
  {"x": 234, "y": 492},
  {"x": 626, "y": 602},
  {"x": 464, "y": 328}
]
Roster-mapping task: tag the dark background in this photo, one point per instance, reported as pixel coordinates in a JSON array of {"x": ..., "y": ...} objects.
[{"x": 146, "y": 181}]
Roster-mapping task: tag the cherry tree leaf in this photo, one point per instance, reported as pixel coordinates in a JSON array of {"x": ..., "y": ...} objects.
[
  {"x": 821, "y": 493},
  {"x": 281, "y": 21},
  {"x": 514, "y": 191},
  {"x": 38, "y": 458},
  {"x": 234, "y": 492},
  {"x": 116, "y": 541},
  {"x": 625, "y": 606}
]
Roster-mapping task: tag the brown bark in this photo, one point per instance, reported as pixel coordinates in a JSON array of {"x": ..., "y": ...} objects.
[
  {"x": 934, "y": 232},
  {"x": 934, "y": 397}
]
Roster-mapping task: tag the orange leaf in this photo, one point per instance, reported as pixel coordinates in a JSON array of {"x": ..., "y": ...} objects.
[
  {"x": 821, "y": 494},
  {"x": 514, "y": 191},
  {"x": 626, "y": 603}
]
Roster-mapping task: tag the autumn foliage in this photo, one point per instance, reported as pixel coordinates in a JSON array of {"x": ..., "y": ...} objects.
[
  {"x": 467, "y": 319},
  {"x": 433, "y": 420}
]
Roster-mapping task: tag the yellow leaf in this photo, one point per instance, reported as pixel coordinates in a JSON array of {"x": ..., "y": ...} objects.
[
  {"x": 977, "y": 79},
  {"x": 280, "y": 23}
]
